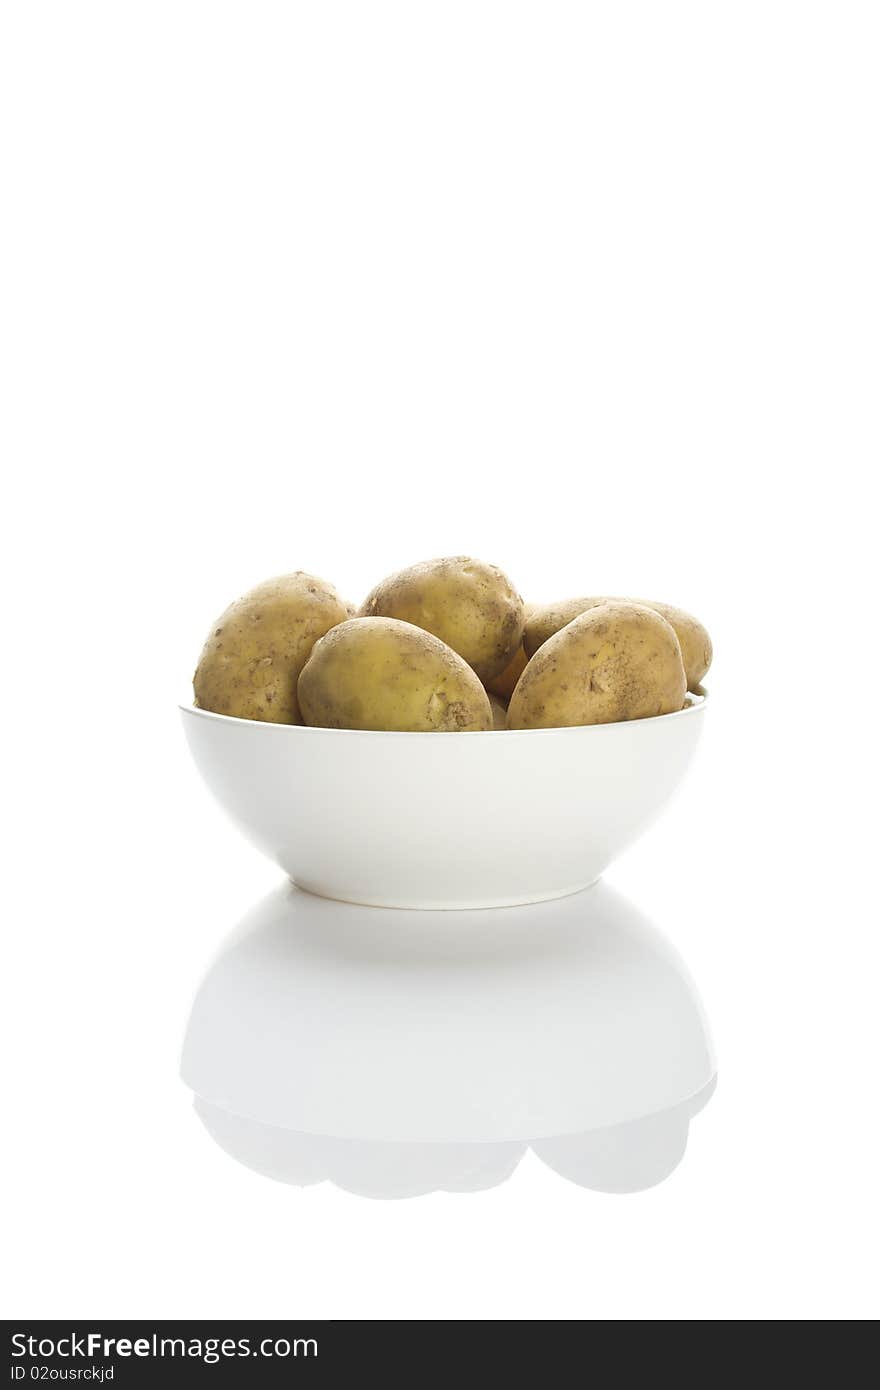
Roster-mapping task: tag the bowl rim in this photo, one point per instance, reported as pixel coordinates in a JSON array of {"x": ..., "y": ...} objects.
[{"x": 696, "y": 701}]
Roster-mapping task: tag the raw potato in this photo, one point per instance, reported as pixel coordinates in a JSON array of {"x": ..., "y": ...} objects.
[
  {"x": 505, "y": 683},
  {"x": 694, "y": 640},
  {"x": 251, "y": 662},
  {"x": 379, "y": 673},
  {"x": 614, "y": 662},
  {"x": 546, "y": 619},
  {"x": 470, "y": 606},
  {"x": 499, "y": 712},
  {"x": 696, "y": 644}
]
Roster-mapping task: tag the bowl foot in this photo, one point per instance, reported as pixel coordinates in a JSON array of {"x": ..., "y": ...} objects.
[{"x": 428, "y": 906}]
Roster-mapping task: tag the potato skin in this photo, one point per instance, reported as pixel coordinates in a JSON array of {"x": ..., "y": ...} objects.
[
  {"x": 499, "y": 712},
  {"x": 504, "y": 684},
  {"x": 469, "y": 605},
  {"x": 696, "y": 644},
  {"x": 617, "y": 661},
  {"x": 380, "y": 673},
  {"x": 546, "y": 619},
  {"x": 251, "y": 661}
]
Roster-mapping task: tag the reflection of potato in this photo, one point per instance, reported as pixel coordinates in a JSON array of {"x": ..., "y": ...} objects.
[
  {"x": 615, "y": 661},
  {"x": 250, "y": 664},
  {"x": 378, "y": 673},
  {"x": 470, "y": 606},
  {"x": 696, "y": 645},
  {"x": 499, "y": 712}
]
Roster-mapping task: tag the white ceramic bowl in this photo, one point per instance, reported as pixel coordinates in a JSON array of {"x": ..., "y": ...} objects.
[{"x": 443, "y": 820}]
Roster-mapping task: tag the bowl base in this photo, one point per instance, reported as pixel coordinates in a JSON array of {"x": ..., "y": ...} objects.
[{"x": 465, "y": 906}]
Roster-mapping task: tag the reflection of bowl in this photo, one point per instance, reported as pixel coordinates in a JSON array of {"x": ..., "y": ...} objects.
[
  {"x": 443, "y": 820},
  {"x": 622, "y": 1158},
  {"x": 401, "y": 1052},
  {"x": 367, "y": 1167}
]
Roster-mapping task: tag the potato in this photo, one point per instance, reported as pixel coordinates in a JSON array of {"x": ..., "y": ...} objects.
[
  {"x": 251, "y": 662},
  {"x": 380, "y": 673},
  {"x": 696, "y": 644},
  {"x": 546, "y": 619},
  {"x": 470, "y": 606},
  {"x": 503, "y": 685},
  {"x": 613, "y": 662},
  {"x": 499, "y": 712}
]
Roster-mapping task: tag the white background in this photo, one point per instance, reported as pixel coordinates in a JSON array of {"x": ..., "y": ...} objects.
[{"x": 587, "y": 290}]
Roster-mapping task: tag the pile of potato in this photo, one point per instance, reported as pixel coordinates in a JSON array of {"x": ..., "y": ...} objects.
[{"x": 446, "y": 646}]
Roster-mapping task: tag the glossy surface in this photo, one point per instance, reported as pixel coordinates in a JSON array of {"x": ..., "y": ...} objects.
[
  {"x": 401, "y": 1052},
  {"x": 443, "y": 820}
]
